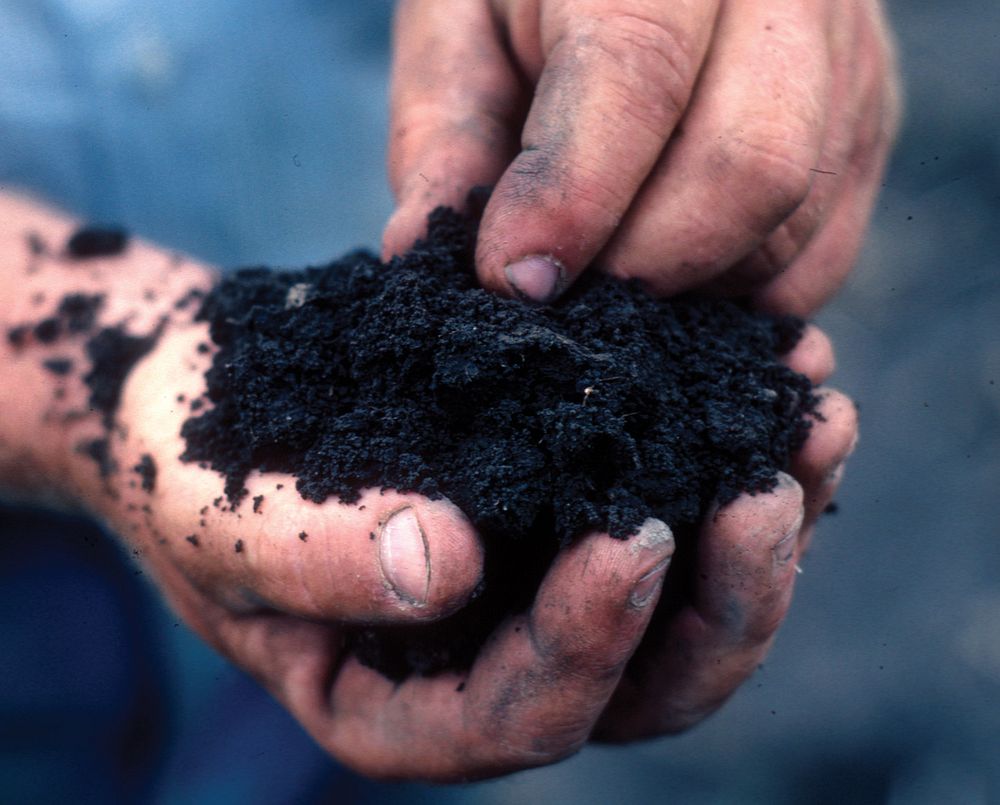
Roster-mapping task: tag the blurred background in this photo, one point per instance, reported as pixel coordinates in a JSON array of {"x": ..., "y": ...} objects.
[{"x": 246, "y": 131}]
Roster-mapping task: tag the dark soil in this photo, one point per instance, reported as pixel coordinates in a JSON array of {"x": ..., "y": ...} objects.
[
  {"x": 96, "y": 241},
  {"x": 58, "y": 366},
  {"x": 113, "y": 353},
  {"x": 99, "y": 451},
  {"x": 146, "y": 469},
  {"x": 540, "y": 423}
]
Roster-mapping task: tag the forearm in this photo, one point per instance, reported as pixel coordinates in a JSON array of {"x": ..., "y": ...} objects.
[{"x": 53, "y": 422}]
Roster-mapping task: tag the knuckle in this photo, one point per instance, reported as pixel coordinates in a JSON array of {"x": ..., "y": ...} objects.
[
  {"x": 769, "y": 172},
  {"x": 773, "y": 164},
  {"x": 526, "y": 727},
  {"x": 579, "y": 656},
  {"x": 650, "y": 65}
]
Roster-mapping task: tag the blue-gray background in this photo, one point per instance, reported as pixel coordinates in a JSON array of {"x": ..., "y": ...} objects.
[{"x": 251, "y": 131}]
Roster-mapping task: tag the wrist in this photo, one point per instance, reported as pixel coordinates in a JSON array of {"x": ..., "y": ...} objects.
[{"x": 69, "y": 331}]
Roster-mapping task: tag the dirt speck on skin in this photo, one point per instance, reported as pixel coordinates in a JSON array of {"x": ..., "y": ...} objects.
[
  {"x": 540, "y": 422},
  {"x": 48, "y": 330},
  {"x": 35, "y": 243},
  {"x": 58, "y": 366},
  {"x": 96, "y": 241},
  {"x": 146, "y": 469},
  {"x": 99, "y": 451},
  {"x": 193, "y": 295},
  {"x": 75, "y": 314},
  {"x": 113, "y": 353}
]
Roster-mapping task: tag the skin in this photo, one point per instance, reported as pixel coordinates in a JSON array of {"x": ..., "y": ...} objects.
[
  {"x": 734, "y": 146},
  {"x": 588, "y": 661}
]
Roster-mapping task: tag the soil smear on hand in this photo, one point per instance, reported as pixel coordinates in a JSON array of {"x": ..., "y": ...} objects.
[
  {"x": 541, "y": 423},
  {"x": 96, "y": 241}
]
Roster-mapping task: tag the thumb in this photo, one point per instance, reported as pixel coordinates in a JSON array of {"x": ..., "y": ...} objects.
[{"x": 389, "y": 558}]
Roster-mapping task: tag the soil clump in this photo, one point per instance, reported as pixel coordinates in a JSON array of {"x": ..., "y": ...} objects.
[
  {"x": 540, "y": 422},
  {"x": 96, "y": 241}
]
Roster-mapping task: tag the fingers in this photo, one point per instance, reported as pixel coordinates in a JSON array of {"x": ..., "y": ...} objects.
[
  {"x": 819, "y": 465},
  {"x": 812, "y": 356},
  {"x": 867, "y": 103},
  {"x": 745, "y": 161},
  {"x": 613, "y": 87},
  {"x": 536, "y": 688},
  {"x": 743, "y": 582},
  {"x": 823, "y": 265},
  {"x": 455, "y": 111}
]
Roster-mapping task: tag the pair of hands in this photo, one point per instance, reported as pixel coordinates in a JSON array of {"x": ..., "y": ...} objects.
[
  {"x": 587, "y": 661},
  {"x": 727, "y": 146}
]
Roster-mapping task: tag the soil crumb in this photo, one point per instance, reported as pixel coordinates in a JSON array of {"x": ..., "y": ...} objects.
[
  {"x": 99, "y": 451},
  {"x": 146, "y": 469},
  {"x": 58, "y": 366},
  {"x": 79, "y": 311},
  {"x": 75, "y": 314},
  {"x": 96, "y": 241},
  {"x": 541, "y": 423},
  {"x": 36, "y": 244},
  {"x": 113, "y": 353}
]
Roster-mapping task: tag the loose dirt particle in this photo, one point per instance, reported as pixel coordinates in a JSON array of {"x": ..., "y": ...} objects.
[
  {"x": 96, "y": 241},
  {"x": 58, "y": 366},
  {"x": 146, "y": 469}
]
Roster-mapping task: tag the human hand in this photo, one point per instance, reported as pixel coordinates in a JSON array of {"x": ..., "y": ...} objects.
[
  {"x": 278, "y": 604},
  {"x": 717, "y": 628},
  {"x": 730, "y": 146},
  {"x": 548, "y": 681}
]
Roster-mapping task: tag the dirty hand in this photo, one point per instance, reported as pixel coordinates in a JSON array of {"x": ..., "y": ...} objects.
[
  {"x": 589, "y": 660},
  {"x": 730, "y": 145},
  {"x": 273, "y": 586}
]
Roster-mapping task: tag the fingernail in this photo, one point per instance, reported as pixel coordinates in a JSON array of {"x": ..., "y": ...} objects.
[
  {"x": 784, "y": 481},
  {"x": 656, "y": 536},
  {"x": 535, "y": 278},
  {"x": 404, "y": 556},
  {"x": 647, "y": 587},
  {"x": 653, "y": 535},
  {"x": 784, "y": 550}
]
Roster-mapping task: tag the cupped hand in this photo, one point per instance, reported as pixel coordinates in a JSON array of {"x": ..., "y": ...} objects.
[
  {"x": 273, "y": 587},
  {"x": 708, "y": 639},
  {"x": 731, "y": 145},
  {"x": 273, "y": 582}
]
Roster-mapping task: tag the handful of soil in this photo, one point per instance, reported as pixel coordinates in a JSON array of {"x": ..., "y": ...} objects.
[{"x": 540, "y": 423}]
